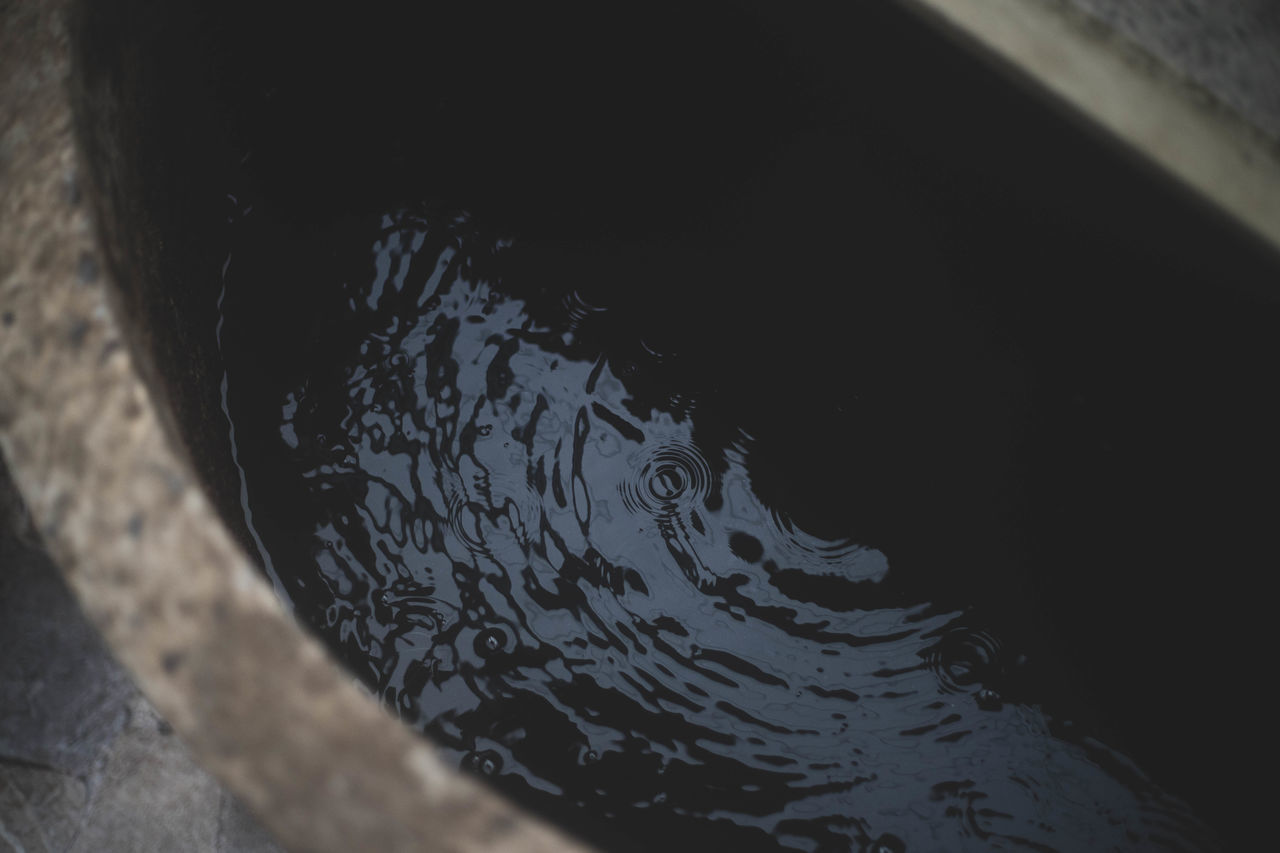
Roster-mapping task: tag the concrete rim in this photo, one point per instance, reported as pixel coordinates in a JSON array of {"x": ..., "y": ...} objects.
[
  {"x": 255, "y": 697},
  {"x": 257, "y": 700},
  {"x": 1090, "y": 70}
]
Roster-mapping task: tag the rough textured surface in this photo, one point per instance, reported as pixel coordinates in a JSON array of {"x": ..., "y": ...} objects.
[
  {"x": 62, "y": 699},
  {"x": 1156, "y": 109},
  {"x": 178, "y": 602},
  {"x": 254, "y": 698},
  {"x": 86, "y": 764},
  {"x": 1230, "y": 48}
]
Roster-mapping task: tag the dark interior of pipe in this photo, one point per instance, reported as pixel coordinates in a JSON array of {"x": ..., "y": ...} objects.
[{"x": 1126, "y": 458}]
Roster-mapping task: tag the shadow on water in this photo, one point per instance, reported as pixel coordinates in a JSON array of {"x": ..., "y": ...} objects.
[{"x": 723, "y": 463}]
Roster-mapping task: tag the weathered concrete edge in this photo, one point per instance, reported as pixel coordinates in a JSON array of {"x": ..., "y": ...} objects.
[
  {"x": 1165, "y": 118},
  {"x": 257, "y": 700}
]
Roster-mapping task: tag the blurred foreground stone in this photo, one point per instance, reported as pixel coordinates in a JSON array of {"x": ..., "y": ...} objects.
[{"x": 86, "y": 764}]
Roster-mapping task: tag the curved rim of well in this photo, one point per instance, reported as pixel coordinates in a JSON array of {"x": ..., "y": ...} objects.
[
  {"x": 255, "y": 697},
  {"x": 1116, "y": 87}
]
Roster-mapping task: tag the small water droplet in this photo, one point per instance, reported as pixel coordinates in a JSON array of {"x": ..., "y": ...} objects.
[
  {"x": 487, "y": 762},
  {"x": 490, "y": 641},
  {"x": 989, "y": 700}
]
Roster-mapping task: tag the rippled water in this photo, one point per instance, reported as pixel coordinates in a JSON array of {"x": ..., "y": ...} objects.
[{"x": 624, "y": 559}]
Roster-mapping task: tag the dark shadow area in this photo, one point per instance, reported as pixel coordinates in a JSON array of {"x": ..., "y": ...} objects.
[
  {"x": 85, "y": 762},
  {"x": 1047, "y": 369}
]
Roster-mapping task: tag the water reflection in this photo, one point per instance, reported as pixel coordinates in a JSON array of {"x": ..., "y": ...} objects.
[{"x": 573, "y": 585}]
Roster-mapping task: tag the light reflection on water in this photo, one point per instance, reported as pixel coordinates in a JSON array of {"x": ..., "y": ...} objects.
[{"x": 580, "y": 593}]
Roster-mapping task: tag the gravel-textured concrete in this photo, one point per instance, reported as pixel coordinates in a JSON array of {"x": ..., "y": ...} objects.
[
  {"x": 86, "y": 764},
  {"x": 1231, "y": 48},
  {"x": 1171, "y": 107},
  {"x": 131, "y": 530}
]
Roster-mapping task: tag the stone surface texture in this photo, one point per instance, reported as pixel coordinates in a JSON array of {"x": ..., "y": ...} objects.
[
  {"x": 85, "y": 762},
  {"x": 1123, "y": 86},
  {"x": 1229, "y": 47},
  {"x": 178, "y": 602}
]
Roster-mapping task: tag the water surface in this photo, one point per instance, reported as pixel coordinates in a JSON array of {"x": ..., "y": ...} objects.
[{"x": 680, "y": 542}]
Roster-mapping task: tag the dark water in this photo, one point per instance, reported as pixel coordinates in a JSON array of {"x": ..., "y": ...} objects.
[
  {"x": 681, "y": 543},
  {"x": 776, "y": 432}
]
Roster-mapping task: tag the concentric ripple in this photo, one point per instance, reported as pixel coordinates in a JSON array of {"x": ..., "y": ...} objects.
[
  {"x": 966, "y": 660},
  {"x": 579, "y": 310},
  {"x": 505, "y": 513},
  {"x": 856, "y": 561},
  {"x": 667, "y": 478},
  {"x": 556, "y": 566}
]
